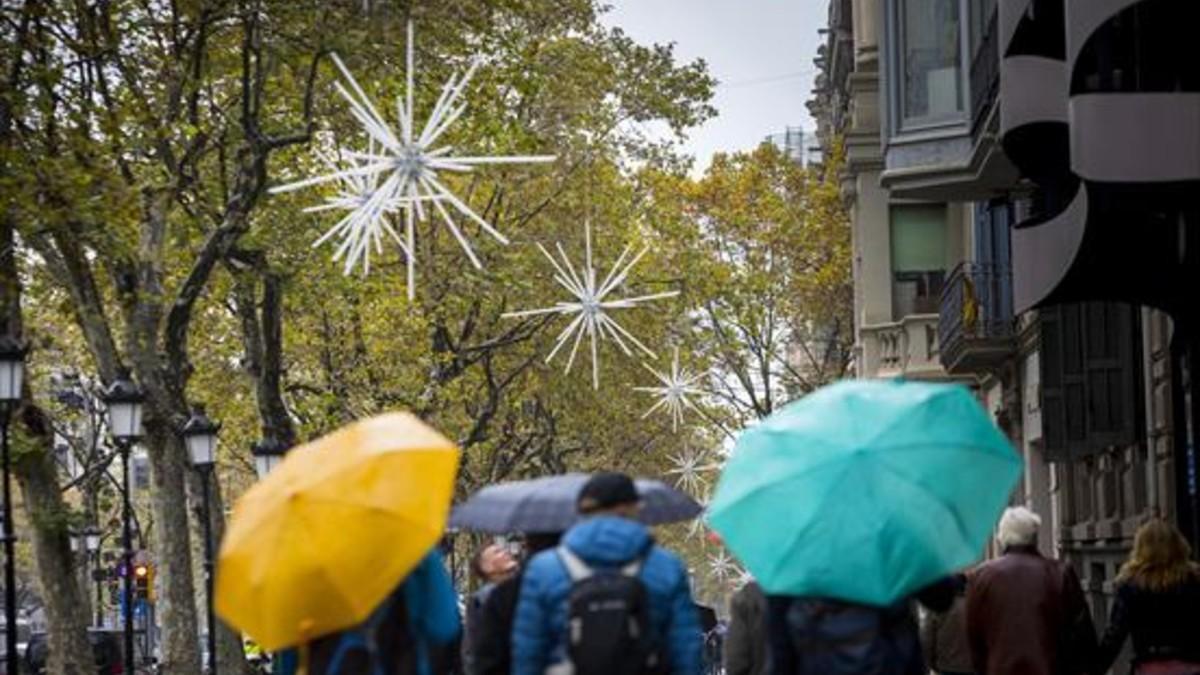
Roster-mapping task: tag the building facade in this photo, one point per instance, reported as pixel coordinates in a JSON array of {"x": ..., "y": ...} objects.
[
  {"x": 797, "y": 144},
  {"x": 1023, "y": 179}
]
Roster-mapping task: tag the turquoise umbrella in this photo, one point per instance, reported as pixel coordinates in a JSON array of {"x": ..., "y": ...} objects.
[{"x": 865, "y": 490}]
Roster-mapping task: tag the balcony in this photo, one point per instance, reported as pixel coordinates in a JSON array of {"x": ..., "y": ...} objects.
[
  {"x": 905, "y": 348},
  {"x": 975, "y": 322}
]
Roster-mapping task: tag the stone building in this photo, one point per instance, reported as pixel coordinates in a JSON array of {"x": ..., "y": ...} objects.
[{"x": 1023, "y": 179}]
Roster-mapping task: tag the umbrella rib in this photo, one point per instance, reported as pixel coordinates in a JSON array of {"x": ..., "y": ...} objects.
[
  {"x": 803, "y": 532},
  {"x": 962, "y": 529}
]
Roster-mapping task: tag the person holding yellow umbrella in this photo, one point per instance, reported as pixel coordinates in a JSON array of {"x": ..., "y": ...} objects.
[{"x": 333, "y": 555}]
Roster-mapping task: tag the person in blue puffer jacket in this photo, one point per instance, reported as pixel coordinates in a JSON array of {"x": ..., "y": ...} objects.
[{"x": 609, "y": 538}]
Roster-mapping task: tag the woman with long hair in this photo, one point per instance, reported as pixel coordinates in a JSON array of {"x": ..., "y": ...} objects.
[{"x": 1158, "y": 604}]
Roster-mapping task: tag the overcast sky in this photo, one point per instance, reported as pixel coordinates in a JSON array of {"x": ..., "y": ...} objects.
[{"x": 760, "y": 51}]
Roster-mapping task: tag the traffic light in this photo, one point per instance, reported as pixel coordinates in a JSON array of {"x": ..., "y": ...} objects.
[{"x": 143, "y": 581}]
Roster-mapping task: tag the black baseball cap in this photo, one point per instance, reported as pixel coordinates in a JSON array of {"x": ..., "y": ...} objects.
[{"x": 605, "y": 490}]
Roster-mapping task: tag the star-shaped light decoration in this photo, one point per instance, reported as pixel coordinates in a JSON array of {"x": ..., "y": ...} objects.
[
  {"x": 402, "y": 171},
  {"x": 722, "y": 567},
  {"x": 364, "y": 227},
  {"x": 674, "y": 392},
  {"x": 744, "y": 578},
  {"x": 591, "y": 304},
  {"x": 690, "y": 468}
]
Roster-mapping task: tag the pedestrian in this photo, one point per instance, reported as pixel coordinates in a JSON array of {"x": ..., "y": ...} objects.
[
  {"x": 1158, "y": 604},
  {"x": 711, "y": 639},
  {"x": 746, "y": 641},
  {"x": 1026, "y": 614},
  {"x": 412, "y": 631},
  {"x": 822, "y": 636},
  {"x": 492, "y": 648},
  {"x": 492, "y": 565},
  {"x": 944, "y": 635},
  {"x": 607, "y": 600}
]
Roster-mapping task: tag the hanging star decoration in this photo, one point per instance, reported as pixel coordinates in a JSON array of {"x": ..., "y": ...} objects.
[
  {"x": 363, "y": 228},
  {"x": 690, "y": 469},
  {"x": 722, "y": 567},
  {"x": 591, "y": 304},
  {"x": 674, "y": 392},
  {"x": 400, "y": 172}
]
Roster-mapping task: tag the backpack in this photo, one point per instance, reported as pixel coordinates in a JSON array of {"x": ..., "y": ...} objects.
[
  {"x": 608, "y": 620},
  {"x": 381, "y": 645}
]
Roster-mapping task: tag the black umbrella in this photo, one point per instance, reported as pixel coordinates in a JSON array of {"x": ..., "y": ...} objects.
[{"x": 548, "y": 505}]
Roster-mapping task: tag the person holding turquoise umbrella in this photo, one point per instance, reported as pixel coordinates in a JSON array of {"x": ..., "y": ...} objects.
[{"x": 850, "y": 501}]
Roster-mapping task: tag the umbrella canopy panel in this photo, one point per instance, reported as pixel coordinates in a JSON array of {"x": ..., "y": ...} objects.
[{"x": 548, "y": 505}]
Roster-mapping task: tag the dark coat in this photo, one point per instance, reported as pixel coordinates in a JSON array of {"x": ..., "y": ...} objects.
[
  {"x": 492, "y": 647},
  {"x": 471, "y": 626},
  {"x": 811, "y": 636},
  {"x": 746, "y": 641},
  {"x": 1165, "y": 625},
  {"x": 1026, "y": 615},
  {"x": 944, "y": 639}
]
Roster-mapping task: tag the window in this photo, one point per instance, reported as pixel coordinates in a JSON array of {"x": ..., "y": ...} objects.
[
  {"x": 928, "y": 54},
  {"x": 918, "y": 258},
  {"x": 1089, "y": 376},
  {"x": 981, "y": 15}
]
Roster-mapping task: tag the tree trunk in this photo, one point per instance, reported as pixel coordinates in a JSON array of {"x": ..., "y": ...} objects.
[
  {"x": 66, "y": 609},
  {"x": 231, "y": 657},
  {"x": 69, "y": 649},
  {"x": 177, "y": 600}
]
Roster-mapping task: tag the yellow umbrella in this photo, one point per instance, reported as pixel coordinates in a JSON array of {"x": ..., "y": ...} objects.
[{"x": 319, "y": 543}]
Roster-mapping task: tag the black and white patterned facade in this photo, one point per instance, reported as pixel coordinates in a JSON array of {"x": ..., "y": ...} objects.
[{"x": 1100, "y": 110}]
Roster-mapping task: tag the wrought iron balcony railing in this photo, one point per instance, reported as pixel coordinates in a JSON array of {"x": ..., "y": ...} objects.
[{"x": 975, "y": 321}]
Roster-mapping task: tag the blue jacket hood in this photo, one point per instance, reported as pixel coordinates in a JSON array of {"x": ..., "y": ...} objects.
[{"x": 608, "y": 540}]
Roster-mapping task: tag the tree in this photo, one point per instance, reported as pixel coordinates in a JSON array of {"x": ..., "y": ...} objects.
[
  {"x": 766, "y": 245},
  {"x": 146, "y": 134}
]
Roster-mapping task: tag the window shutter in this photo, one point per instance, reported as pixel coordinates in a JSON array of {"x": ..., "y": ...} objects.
[
  {"x": 1088, "y": 378},
  {"x": 1111, "y": 371},
  {"x": 1050, "y": 360}
]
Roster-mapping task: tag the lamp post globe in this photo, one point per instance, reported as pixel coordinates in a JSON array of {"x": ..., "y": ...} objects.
[
  {"x": 268, "y": 453},
  {"x": 91, "y": 538},
  {"x": 124, "y": 400},
  {"x": 200, "y": 435},
  {"x": 12, "y": 369}
]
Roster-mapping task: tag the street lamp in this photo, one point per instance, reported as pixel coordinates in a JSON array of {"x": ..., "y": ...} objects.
[
  {"x": 91, "y": 542},
  {"x": 124, "y": 400},
  {"x": 12, "y": 379},
  {"x": 200, "y": 435},
  {"x": 268, "y": 453}
]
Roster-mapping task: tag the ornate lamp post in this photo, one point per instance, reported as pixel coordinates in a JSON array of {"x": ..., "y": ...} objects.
[
  {"x": 268, "y": 453},
  {"x": 124, "y": 399},
  {"x": 91, "y": 543},
  {"x": 200, "y": 435},
  {"x": 12, "y": 377}
]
